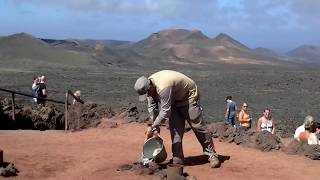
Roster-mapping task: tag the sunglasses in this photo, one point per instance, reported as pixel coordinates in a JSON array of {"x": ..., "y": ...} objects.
[{"x": 245, "y": 106}]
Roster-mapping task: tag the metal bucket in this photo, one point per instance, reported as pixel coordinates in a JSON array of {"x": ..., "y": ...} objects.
[{"x": 154, "y": 149}]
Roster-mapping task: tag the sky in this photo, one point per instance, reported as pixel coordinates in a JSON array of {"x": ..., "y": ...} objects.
[{"x": 280, "y": 25}]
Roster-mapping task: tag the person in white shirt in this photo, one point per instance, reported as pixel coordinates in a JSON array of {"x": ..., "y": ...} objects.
[
  {"x": 308, "y": 120},
  {"x": 78, "y": 95},
  {"x": 309, "y": 135}
]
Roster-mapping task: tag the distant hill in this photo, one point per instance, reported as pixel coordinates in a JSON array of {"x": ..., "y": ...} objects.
[
  {"x": 63, "y": 43},
  {"x": 26, "y": 49},
  {"x": 107, "y": 43},
  {"x": 265, "y": 52},
  {"x": 183, "y": 46},
  {"x": 227, "y": 41},
  {"x": 166, "y": 48},
  {"x": 306, "y": 54},
  {"x": 175, "y": 43}
]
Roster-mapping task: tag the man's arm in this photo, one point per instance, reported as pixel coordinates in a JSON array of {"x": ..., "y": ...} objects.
[
  {"x": 227, "y": 111},
  {"x": 166, "y": 99},
  {"x": 273, "y": 128},
  {"x": 152, "y": 108},
  {"x": 258, "y": 125},
  {"x": 44, "y": 89},
  {"x": 44, "y": 92}
]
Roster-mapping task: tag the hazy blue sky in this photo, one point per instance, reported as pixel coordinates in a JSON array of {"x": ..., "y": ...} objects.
[{"x": 277, "y": 24}]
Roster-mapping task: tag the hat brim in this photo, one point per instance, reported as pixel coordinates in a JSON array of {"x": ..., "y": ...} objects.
[{"x": 143, "y": 97}]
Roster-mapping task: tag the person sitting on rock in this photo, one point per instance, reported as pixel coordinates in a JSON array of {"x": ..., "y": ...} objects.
[
  {"x": 318, "y": 131},
  {"x": 265, "y": 122},
  {"x": 307, "y": 123},
  {"x": 244, "y": 117},
  {"x": 309, "y": 135},
  {"x": 77, "y": 94}
]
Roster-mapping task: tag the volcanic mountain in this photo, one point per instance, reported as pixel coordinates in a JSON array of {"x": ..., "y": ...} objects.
[
  {"x": 193, "y": 47},
  {"x": 172, "y": 47},
  {"x": 306, "y": 54},
  {"x": 25, "y": 49}
]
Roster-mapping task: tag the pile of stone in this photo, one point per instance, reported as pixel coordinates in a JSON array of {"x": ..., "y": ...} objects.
[
  {"x": 159, "y": 171},
  {"x": 30, "y": 117},
  {"x": 263, "y": 141},
  {"x": 7, "y": 169},
  {"x": 310, "y": 151},
  {"x": 80, "y": 116}
]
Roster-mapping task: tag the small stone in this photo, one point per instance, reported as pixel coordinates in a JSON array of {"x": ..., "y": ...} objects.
[{"x": 124, "y": 167}]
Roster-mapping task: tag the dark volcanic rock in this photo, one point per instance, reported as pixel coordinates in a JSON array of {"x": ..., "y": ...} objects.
[
  {"x": 310, "y": 151},
  {"x": 49, "y": 117},
  {"x": 217, "y": 129},
  {"x": 264, "y": 141},
  {"x": 124, "y": 167},
  {"x": 82, "y": 116},
  {"x": 131, "y": 113},
  {"x": 43, "y": 118},
  {"x": 30, "y": 117},
  {"x": 8, "y": 169}
]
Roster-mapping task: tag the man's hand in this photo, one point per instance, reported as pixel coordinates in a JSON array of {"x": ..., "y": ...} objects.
[
  {"x": 151, "y": 132},
  {"x": 155, "y": 133},
  {"x": 148, "y": 132}
]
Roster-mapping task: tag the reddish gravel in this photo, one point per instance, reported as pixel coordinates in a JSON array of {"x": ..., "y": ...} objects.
[{"x": 96, "y": 153}]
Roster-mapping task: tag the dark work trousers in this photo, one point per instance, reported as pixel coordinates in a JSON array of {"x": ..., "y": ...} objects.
[{"x": 193, "y": 114}]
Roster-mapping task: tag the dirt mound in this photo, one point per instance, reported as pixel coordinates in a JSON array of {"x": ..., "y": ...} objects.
[
  {"x": 82, "y": 116},
  {"x": 310, "y": 151},
  {"x": 30, "y": 117},
  {"x": 96, "y": 153},
  {"x": 131, "y": 113},
  {"x": 160, "y": 171},
  {"x": 264, "y": 141}
]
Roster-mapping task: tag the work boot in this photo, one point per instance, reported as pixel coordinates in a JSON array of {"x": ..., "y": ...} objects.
[{"x": 214, "y": 161}]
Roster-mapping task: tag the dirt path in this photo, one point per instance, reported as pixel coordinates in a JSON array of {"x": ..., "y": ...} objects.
[{"x": 96, "y": 153}]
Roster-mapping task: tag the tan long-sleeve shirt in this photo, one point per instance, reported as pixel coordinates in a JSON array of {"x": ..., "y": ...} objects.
[{"x": 173, "y": 89}]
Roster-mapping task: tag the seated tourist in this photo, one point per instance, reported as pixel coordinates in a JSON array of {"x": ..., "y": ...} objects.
[
  {"x": 318, "y": 131},
  {"x": 78, "y": 95},
  {"x": 244, "y": 117},
  {"x": 307, "y": 122},
  {"x": 265, "y": 122},
  {"x": 309, "y": 135}
]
